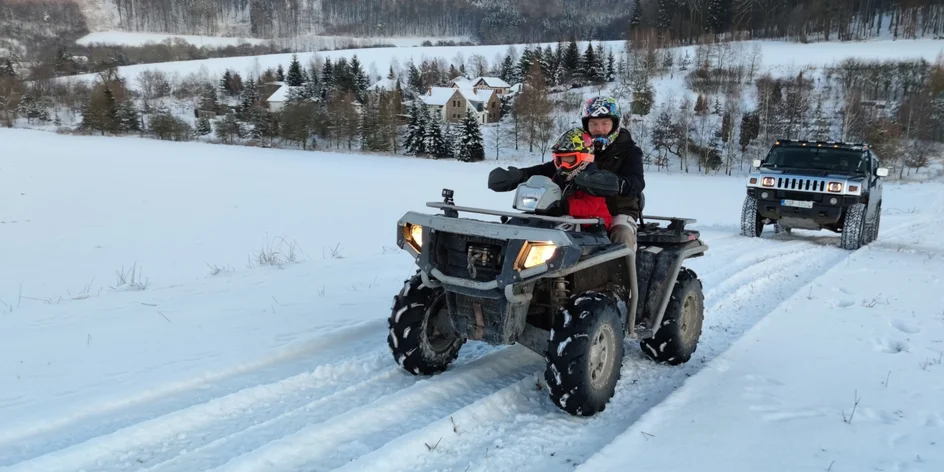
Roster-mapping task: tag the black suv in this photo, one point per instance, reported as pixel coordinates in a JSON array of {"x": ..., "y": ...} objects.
[{"x": 816, "y": 185}]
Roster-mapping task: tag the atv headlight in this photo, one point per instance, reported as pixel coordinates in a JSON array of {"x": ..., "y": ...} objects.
[
  {"x": 413, "y": 235},
  {"x": 535, "y": 254}
]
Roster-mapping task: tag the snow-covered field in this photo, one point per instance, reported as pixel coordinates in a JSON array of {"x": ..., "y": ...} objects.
[
  {"x": 779, "y": 58},
  {"x": 129, "y": 38},
  {"x": 286, "y": 367}
]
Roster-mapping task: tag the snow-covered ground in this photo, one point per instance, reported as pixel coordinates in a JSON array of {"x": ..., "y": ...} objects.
[
  {"x": 285, "y": 367},
  {"x": 777, "y": 57},
  {"x": 312, "y": 41},
  {"x": 126, "y": 38}
]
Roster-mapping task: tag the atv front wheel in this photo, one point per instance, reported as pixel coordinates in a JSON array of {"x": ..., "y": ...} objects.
[
  {"x": 421, "y": 337},
  {"x": 854, "y": 231},
  {"x": 677, "y": 337},
  {"x": 585, "y": 354},
  {"x": 752, "y": 225}
]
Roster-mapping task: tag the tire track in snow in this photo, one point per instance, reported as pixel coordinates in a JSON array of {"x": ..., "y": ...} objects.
[
  {"x": 353, "y": 433},
  {"x": 171, "y": 433},
  {"x": 517, "y": 428},
  {"x": 112, "y": 416},
  {"x": 245, "y": 419}
]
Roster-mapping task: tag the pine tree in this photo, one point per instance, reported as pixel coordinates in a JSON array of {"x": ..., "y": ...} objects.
[
  {"x": 610, "y": 67},
  {"x": 390, "y": 74},
  {"x": 416, "y": 129},
  {"x": 750, "y": 129},
  {"x": 100, "y": 112},
  {"x": 590, "y": 64},
  {"x": 685, "y": 63},
  {"x": 547, "y": 63},
  {"x": 296, "y": 76},
  {"x": 701, "y": 104},
  {"x": 208, "y": 100},
  {"x": 433, "y": 141},
  {"x": 506, "y": 72},
  {"x": 636, "y": 17},
  {"x": 6, "y": 69},
  {"x": 572, "y": 59},
  {"x": 327, "y": 77},
  {"x": 129, "y": 119},
  {"x": 250, "y": 95},
  {"x": 524, "y": 63},
  {"x": 262, "y": 125},
  {"x": 29, "y": 108},
  {"x": 280, "y": 74},
  {"x": 359, "y": 79},
  {"x": 226, "y": 81},
  {"x": 228, "y": 129},
  {"x": 204, "y": 127},
  {"x": 415, "y": 79},
  {"x": 470, "y": 147},
  {"x": 298, "y": 121}
]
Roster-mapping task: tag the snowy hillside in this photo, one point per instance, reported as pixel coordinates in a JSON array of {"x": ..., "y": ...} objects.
[
  {"x": 812, "y": 357},
  {"x": 780, "y": 58}
]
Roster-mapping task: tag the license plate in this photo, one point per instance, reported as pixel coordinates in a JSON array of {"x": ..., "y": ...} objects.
[{"x": 796, "y": 203}]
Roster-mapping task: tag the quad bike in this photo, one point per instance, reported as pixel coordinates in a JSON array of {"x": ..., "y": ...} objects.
[{"x": 555, "y": 285}]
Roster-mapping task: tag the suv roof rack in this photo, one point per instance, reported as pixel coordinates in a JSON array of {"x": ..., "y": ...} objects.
[{"x": 832, "y": 144}]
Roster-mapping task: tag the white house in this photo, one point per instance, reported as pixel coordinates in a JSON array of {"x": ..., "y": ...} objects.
[
  {"x": 450, "y": 104},
  {"x": 277, "y": 100}
]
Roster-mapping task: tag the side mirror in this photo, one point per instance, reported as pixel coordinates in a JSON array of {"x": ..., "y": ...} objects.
[
  {"x": 881, "y": 172},
  {"x": 757, "y": 163}
]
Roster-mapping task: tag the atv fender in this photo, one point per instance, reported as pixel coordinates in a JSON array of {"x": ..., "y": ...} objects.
[{"x": 657, "y": 270}]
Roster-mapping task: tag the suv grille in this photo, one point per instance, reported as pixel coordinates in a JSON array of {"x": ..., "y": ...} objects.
[{"x": 801, "y": 184}]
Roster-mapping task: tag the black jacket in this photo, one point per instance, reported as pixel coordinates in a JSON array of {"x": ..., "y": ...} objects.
[{"x": 624, "y": 158}]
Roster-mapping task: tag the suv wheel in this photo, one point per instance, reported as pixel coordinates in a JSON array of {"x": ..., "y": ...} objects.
[
  {"x": 752, "y": 224},
  {"x": 854, "y": 231},
  {"x": 874, "y": 223}
]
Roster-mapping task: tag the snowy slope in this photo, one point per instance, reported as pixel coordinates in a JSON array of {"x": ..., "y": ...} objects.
[
  {"x": 127, "y": 38},
  {"x": 778, "y": 57},
  {"x": 286, "y": 367}
]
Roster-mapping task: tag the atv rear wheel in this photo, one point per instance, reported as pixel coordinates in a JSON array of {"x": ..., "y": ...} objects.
[
  {"x": 677, "y": 337},
  {"x": 752, "y": 225},
  {"x": 421, "y": 337},
  {"x": 585, "y": 354}
]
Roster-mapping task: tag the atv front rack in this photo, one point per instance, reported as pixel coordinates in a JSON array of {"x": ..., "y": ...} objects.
[{"x": 445, "y": 207}]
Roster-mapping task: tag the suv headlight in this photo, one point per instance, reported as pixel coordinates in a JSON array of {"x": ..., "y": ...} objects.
[
  {"x": 535, "y": 254},
  {"x": 834, "y": 187},
  {"x": 768, "y": 181}
]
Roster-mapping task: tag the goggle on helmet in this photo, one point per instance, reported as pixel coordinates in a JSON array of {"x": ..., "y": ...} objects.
[{"x": 573, "y": 149}]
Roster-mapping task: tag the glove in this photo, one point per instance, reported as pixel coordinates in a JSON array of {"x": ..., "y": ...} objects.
[
  {"x": 600, "y": 183},
  {"x": 502, "y": 180},
  {"x": 558, "y": 208}
]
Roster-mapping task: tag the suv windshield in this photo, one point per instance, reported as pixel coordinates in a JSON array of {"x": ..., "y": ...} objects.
[{"x": 827, "y": 159}]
